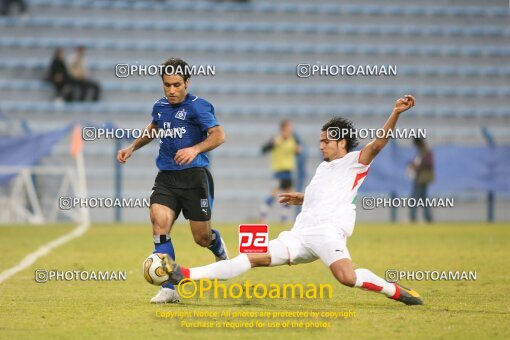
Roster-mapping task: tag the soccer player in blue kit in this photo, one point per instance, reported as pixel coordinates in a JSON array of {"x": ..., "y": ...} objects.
[{"x": 190, "y": 129}]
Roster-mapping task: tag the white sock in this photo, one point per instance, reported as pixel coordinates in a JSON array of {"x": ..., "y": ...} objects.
[
  {"x": 365, "y": 279},
  {"x": 222, "y": 270}
]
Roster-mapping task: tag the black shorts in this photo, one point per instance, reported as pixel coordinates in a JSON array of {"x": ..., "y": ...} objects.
[
  {"x": 285, "y": 179},
  {"x": 190, "y": 190}
]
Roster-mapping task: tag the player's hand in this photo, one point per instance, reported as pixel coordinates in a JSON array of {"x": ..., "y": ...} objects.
[
  {"x": 124, "y": 154},
  {"x": 404, "y": 104},
  {"x": 292, "y": 198},
  {"x": 186, "y": 155}
]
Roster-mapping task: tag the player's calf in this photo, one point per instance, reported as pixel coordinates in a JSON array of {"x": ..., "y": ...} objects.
[
  {"x": 348, "y": 280},
  {"x": 210, "y": 238},
  {"x": 203, "y": 240},
  {"x": 343, "y": 271}
]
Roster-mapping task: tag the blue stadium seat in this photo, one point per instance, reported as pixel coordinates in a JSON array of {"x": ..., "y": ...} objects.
[
  {"x": 121, "y": 24},
  {"x": 289, "y": 8}
]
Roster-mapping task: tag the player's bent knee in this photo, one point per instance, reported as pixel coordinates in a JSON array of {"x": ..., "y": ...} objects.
[
  {"x": 161, "y": 219},
  {"x": 203, "y": 240},
  {"x": 160, "y": 228}
]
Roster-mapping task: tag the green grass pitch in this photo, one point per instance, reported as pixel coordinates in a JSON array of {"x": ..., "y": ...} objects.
[{"x": 93, "y": 309}]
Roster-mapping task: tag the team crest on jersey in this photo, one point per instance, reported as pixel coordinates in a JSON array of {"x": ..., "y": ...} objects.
[
  {"x": 204, "y": 203},
  {"x": 181, "y": 114}
]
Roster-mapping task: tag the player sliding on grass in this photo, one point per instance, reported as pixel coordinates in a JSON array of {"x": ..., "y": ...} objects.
[{"x": 326, "y": 220}]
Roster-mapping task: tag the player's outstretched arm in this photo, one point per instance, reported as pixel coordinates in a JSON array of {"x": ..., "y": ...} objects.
[
  {"x": 372, "y": 149},
  {"x": 292, "y": 198},
  {"x": 124, "y": 154},
  {"x": 215, "y": 137}
]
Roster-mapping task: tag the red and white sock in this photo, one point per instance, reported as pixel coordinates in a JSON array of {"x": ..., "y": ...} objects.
[{"x": 365, "y": 279}]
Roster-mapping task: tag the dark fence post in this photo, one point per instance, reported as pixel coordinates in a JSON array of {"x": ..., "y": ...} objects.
[
  {"x": 490, "y": 206},
  {"x": 490, "y": 195}
]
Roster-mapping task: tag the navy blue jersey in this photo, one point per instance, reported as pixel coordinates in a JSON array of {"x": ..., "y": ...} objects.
[{"x": 182, "y": 125}]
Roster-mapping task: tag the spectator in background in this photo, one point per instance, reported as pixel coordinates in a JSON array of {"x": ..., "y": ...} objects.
[
  {"x": 87, "y": 88},
  {"x": 6, "y": 6},
  {"x": 422, "y": 169},
  {"x": 284, "y": 147},
  {"x": 60, "y": 78}
]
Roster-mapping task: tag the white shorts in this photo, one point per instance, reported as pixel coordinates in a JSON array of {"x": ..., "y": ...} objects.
[{"x": 291, "y": 247}]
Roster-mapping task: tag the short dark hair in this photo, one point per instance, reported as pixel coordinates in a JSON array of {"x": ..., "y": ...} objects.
[
  {"x": 346, "y": 127},
  {"x": 284, "y": 122},
  {"x": 179, "y": 66}
]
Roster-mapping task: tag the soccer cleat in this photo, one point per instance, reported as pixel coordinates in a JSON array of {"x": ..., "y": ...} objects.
[
  {"x": 225, "y": 252},
  {"x": 173, "y": 270},
  {"x": 166, "y": 295},
  {"x": 407, "y": 296}
]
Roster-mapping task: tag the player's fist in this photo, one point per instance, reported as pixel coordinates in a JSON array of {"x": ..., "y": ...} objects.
[
  {"x": 124, "y": 154},
  {"x": 292, "y": 198},
  {"x": 186, "y": 155},
  {"x": 404, "y": 104}
]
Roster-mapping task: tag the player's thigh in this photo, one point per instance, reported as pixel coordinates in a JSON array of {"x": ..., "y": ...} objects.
[
  {"x": 197, "y": 202},
  {"x": 164, "y": 204},
  {"x": 330, "y": 246},
  {"x": 162, "y": 218},
  {"x": 289, "y": 249},
  {"x": 197, "y": 209},
  {"x": 197, "y": 205}
]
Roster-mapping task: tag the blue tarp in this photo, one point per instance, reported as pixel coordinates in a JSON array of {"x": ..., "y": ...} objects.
[{"x": 28, "y": 150}]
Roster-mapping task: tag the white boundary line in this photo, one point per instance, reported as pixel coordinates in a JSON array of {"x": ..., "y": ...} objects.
[{"x": 44, "y": 250}]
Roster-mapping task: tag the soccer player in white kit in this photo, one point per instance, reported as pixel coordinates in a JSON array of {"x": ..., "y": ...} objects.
[{"x": 326, "y": 220}]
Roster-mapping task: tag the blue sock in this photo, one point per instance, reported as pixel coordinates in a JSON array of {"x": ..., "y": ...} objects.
[
  {"x": 269, "y": 200},
  {"x": 163, "y": 244},
  {"x": 216, "y": 246}
]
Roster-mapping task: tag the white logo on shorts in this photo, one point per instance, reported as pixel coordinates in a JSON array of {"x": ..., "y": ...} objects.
[{"x": 204, "y": 203}]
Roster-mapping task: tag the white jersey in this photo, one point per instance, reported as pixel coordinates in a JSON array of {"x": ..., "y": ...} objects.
[{"x": 330, "y": 198}]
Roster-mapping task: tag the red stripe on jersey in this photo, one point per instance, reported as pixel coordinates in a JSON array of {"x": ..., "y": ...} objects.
[
  {"x": 371, "y": 286},
  {"x": 359, "y": 177}
]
